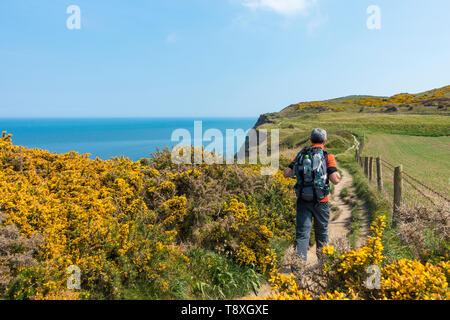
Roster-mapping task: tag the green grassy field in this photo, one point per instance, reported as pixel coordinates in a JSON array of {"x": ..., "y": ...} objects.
[
  {"x": 342, "y": 125},
  {"x": 425, "y": 158},
  {"x": 418, "y": 125}
]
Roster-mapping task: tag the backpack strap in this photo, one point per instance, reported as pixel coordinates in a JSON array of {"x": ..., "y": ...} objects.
[
  {"x": 325, "y": 154},
  {"x": 302, "y": 152}
]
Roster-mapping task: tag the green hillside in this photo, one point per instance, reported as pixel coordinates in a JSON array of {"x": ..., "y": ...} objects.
[
  {"x": 422, "y": 114},
  {"x": 392, "y": 127},
  {"x": 436, "y": 101}
]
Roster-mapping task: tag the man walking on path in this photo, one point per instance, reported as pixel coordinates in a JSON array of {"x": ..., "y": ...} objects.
[{"x": 314, "y": 168}]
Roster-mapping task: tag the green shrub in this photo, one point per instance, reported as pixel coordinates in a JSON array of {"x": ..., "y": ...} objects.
[{"x": 217, "y": 277}]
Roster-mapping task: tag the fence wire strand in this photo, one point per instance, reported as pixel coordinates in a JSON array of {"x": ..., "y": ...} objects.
[
  {"x": 419, "y": 191},
  {"x": 412, "y": 182},
  {"x": 418, "y": 182}
]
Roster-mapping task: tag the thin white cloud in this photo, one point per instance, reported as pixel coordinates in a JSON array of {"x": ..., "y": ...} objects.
[
  {"x": 317, "y": 21},
  {"x": 283, "y": 7},
  {"x": 172, "y": 38}
]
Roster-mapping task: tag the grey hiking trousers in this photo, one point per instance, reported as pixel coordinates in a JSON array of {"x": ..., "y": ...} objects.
[{"x": 305, "y": 212}]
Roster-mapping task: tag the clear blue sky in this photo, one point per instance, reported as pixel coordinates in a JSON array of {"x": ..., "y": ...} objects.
[{"x": 200, "y": 58}]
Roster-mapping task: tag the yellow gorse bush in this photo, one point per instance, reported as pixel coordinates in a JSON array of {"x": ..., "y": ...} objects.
[
  {"x": 348, "y": 270},
  {"x": 86, "y": 210},
  {"x": 284, "y": 287},
  {"x": 412, "y": 280},
  {"x": 121, "y": 221},
  {"x": 336, "y": 295},
  {"x": 403, "y": 279},
  {"x": 370, "y": 254},
  {"x": 345, "y": 275},
  {"x": 254, "y": 247},
  {"x": 402, "y": 98}
]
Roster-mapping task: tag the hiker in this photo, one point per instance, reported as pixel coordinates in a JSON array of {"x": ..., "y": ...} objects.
[{"x": 313, "y": 168}]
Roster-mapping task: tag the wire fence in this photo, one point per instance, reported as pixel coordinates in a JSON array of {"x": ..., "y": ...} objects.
[
  {"x": 398, "y": 176},
  {"x": 415, "y": 183},
  {"x": 410, "y": 183}
]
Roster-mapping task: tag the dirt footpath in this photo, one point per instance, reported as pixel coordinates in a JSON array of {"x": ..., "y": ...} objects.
[{"x": 339, "y": 225}]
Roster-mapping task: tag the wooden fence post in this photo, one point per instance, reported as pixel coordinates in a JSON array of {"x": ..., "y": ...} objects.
[
  {"x": 370, "y": 168},
  {"x": 366, "y": 166},
  {"x": 379, "y": 175},
  {"x": 398, "y": 186}
]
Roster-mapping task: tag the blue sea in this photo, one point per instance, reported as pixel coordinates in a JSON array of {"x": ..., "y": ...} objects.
[{"x": 134, "y": 138}]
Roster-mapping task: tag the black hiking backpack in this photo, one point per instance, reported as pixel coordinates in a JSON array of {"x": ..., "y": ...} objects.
[{"x": 315, "y": 186}]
